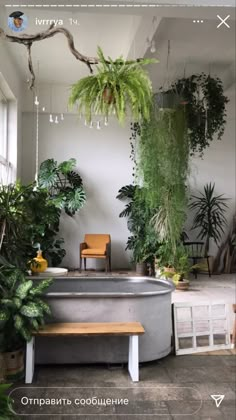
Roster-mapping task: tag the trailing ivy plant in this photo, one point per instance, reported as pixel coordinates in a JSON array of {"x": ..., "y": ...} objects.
[
  {"x": 64, "y": 184},
  {"x": 205, "y": 106},
  {"x": 163, "y": 168},
  {"x": 118, "y": 87}
]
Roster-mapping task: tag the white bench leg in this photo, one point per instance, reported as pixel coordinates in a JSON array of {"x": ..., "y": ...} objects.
[
  {"x": 133, "y": 364},
  {"x": 29, "y": 372}
]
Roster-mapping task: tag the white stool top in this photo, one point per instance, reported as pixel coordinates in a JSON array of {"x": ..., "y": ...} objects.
[{"x": 53, "y": 272}]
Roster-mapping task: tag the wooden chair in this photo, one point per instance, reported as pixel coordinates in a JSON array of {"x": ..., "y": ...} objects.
[
  {"x": 96, "y": 246},
  {"x": 196, "y": 252}
]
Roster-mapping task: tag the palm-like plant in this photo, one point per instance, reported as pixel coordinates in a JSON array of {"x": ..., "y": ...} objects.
[
  {"x": 210, "y": 215},
  {"x": 65, "y": 186},
  {"x": 119, "y": 85}
]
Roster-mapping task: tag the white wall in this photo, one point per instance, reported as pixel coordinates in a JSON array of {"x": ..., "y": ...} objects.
[
  {"x": 104, "y": 164},
  {"x": 11, "y": 83},
  {"x": 103, "y": 161}
]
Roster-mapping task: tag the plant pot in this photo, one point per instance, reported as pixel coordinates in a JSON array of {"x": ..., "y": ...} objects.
[
  {"x": 14, "y": 365},
  {"x": 108, "y": 96},
  {"x": 2, "y": 368},
  {"x": 182, "y": 285},
  {"x": 167, "y": 100},
  {"x": 169, "y": 270},
  {"x": 141, "y": 269}
]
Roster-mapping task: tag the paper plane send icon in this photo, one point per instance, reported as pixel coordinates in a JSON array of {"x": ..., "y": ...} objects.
[{"x": 218, "y": 399}]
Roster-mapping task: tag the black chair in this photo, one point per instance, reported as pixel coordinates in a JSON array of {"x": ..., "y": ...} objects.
[{"x": 196, "y": 252}]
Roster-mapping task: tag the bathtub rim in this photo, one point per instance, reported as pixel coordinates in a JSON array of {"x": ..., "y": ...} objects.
[{"x": 169, "y": 288}]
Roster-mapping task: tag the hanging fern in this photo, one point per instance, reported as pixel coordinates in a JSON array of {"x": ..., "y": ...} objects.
[{"x": 118, "y": 87}]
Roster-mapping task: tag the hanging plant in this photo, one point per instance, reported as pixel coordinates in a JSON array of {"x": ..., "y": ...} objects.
[
  {"x": 163, "y": 167},
  {"x": 118, "y": 87},
  {"x": 205, "y": 105}
]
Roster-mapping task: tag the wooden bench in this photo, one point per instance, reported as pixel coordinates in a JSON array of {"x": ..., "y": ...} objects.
[{"x": 131, "y": 329}]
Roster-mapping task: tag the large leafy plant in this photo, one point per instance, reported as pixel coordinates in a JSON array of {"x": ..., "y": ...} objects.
[
  {"x": 63, "y": 183},
  {"x": 22, "y": 308},
  {"x": 209, "y": 215},
  {"x": 205, "y": 106},
  {"x": 28, "y": 216},
  {"x": 118, "y": 87},
  {"x": 143, "y": 242}
]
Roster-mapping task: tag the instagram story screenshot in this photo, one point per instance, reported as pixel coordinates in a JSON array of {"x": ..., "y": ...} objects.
[{"x": 117, "y": 210}]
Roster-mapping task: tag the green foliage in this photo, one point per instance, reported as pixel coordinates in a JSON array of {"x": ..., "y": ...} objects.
[
  {"x": 22, "y": 307},
  {"x": 163, "y": 169},
  {"x": 64, "y": 185},
  {"x": 205, "y": 109},
  {"x": 210, "y": 215},
  {"x": 28, "y": 216},
  {"x": 119, "y": 85},
  {"x": 6, "y": 402},
  {"x": 144, "y": 241}
]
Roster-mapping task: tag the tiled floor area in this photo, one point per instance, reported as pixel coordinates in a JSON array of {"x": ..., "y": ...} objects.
[{"x": 171, "y": 388}]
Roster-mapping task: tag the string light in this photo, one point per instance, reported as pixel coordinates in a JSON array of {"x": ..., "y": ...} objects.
[
  {"x": 56, "y": 120},
  {"x": 98, "y": 125}
]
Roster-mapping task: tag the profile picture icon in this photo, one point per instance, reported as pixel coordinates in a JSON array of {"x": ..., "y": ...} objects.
[{"x": 17, "y": 21}]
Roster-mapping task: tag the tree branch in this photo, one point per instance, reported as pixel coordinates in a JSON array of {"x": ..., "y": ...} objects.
[{"x": 28, "y": 40}]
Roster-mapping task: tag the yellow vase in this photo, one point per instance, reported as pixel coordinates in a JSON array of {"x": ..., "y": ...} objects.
[{"x": 39, "y": 264}]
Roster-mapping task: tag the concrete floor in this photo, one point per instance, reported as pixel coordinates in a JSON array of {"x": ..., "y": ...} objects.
[{"x": 171, "y": 388}]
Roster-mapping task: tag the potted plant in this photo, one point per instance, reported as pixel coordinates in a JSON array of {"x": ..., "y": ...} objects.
[
  {"x": 6, "y": 412},
  {"x": 22, "y": 311},
  {"x": 28, "y": 216},
  {"x": 209, "y": 216},
  {"x": 181, "y": 269},
  {"x": 118, "y": 87},
  {"x": 144, "y": 241}
]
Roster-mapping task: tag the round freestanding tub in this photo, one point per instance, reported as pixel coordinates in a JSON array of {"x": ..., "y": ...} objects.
[{"x": 107, "y": 299}]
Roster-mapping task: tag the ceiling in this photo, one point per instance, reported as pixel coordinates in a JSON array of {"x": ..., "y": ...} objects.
[{"x": 125, "y": 31}]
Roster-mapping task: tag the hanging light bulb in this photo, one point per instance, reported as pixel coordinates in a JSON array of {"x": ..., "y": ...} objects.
[
  {"x": 106, "y": 121},
  {"x": 62, "y": 117},
  {"x": 98, "y": 125},
  {"x": 36, "y": 101},
  {"x": 153, "y": 47},
  {"x": 56, "y": 120},
  {"x": 51, "y": 118},
  {"x": 85, "y": 123},
  {"x": 43, "y": 109},
  {"x": 91, "y": 124}
]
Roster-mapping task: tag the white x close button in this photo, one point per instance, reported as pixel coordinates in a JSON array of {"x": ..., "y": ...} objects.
[{"x": 223, "y": 21}]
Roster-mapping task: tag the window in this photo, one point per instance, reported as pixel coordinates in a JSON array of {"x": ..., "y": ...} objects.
[
  {"x": 3, "y": 127},
  {"x": 6, "y": 167}
]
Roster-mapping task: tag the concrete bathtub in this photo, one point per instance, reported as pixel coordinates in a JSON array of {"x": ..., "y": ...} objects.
[{"x": 101, "y": 299}]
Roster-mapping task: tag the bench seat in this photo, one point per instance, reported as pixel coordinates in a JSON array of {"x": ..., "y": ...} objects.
[{"x": 131, "y": 329}]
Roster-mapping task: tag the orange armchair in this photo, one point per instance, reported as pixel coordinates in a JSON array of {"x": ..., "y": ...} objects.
[{"x": 96, "y": 246}]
